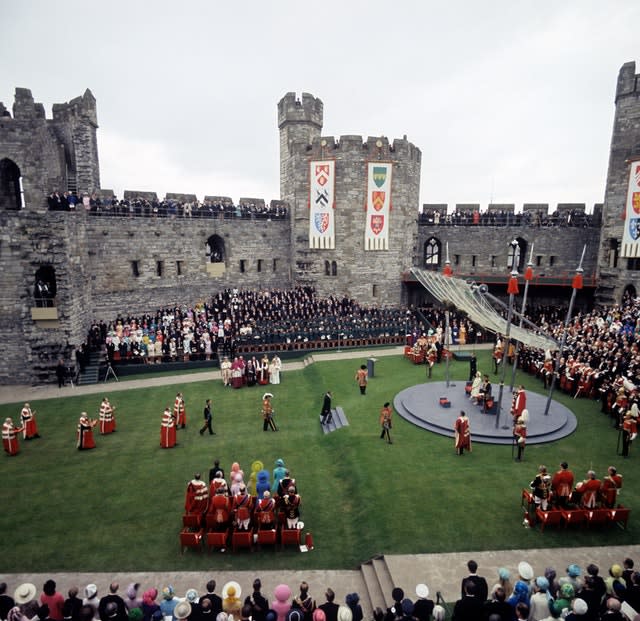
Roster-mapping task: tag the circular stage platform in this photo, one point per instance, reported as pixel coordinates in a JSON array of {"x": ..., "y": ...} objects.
[{"x": 420, "y": 405}]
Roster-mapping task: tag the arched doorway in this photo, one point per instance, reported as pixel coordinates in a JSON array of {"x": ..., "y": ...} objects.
[
  {"x": 10, "y": 185},
  {"x": 215, "y": 249},
  {"x": 521, "y": 254},
  {"x": 45, "y": 286},
  {"x": 629, "y": 294}
]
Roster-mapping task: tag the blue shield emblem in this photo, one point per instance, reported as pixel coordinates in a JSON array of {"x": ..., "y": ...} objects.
[{"x": 321, "y": 220}]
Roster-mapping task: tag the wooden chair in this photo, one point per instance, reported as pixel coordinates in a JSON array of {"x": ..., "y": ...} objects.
[
  {"x": 551, "y": 517},
  {"x": 217, "y": 539},
  {"x": 191, "y": 520},
  {"x": 289, "y": 537},
  {"x": 620, "y": 515},
  {"x": 598, "y": 517},
  {"x": 241, "y": 539},
  {"x": 190, "y": 538},
  {"x": 527, "y": 499},
  {"x": 573, "y": 516}
]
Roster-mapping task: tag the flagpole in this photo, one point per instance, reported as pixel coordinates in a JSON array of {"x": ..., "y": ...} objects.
[
  {"x": 575, "y": 284},
  {"x": 447, "y": 272},
  {"x": 512, "y": 290},
  {"x": 528, "y": 276}
]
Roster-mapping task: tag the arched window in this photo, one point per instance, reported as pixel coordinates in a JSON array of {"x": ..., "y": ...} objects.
[
  {"x": 327, "y": 268},
  {"x": 45, "y": 286},
  {"x": 334, "y": 268},
  {"x": 11, "y": 196},
  {"x": 215, "y": 249},
  {"x": 432, "y": 249},
  {"x": 521, "y": 254}
]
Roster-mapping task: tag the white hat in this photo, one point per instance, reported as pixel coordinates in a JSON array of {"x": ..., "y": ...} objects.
[
  {"x": 267, "y": 394},
  {"x": 25, "y": 593},
  {"x": 182, "y": 610},
  {"x": 422, "y": 590},
  {"x": 525, "y": 570},
  {"x": 580, "y": 607}
]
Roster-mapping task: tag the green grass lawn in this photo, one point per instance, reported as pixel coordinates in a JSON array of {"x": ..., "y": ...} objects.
[{"x": 119, "y": 507}]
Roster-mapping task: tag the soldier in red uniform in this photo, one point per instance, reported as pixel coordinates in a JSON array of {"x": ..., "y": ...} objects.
[
  {"x": 629, "y": 432},
  {"x": 29, "y": 426},
  {"x": 610, "y": 486},
  {"x": 220, "y": 509},
  {"x": 265, "y": 511},
  {"x": 243, "y": 508},
  {"x": 10, "y": 437},
  {"x": 520, "y": 436},
  {"x": 589, "y": 489},
  {"x": 562, "y": 484},
  {"x": 180, "y": 411}
]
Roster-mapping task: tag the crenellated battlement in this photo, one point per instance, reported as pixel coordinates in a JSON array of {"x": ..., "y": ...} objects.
[
  {"x": 83, "y": 107},
  {"x": 374, "y": 147},
  {"x": 308, "y": 109}
]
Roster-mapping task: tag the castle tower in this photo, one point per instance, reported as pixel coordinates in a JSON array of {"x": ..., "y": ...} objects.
[
  {"x": 619, "y": 273},
  {"x": 347, "y": 261},
  {"x": 299, "y": 122}
]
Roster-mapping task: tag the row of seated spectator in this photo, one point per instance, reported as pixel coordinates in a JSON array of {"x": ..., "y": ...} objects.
[
  {"x": 95, "y": 205},
  {"x": 468, "y": 217},
  {"x": 236, "y": 318}
]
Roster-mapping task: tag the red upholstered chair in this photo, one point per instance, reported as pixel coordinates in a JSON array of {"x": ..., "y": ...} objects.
[
  {"x": 527, "y": 497},
  {"x": 190, "y": 538},
  {"x": 289, "y": 537},
  {"x": 548, "y": 518},
  {"x": 191, "y": 520},
  {"x": 241, "y": 539},
  {"x": 598, "y": 517},
  {"x": 267, "y": 536},
  {"x": 573, "y": 516},
  {"x": 620, "y": 515},
  {"x": 217, "y": 539}
]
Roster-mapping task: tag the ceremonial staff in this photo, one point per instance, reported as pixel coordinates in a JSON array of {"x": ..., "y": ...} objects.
[
  {"x": 575, "y": 284},
  {"x": 528, "y": 277}
]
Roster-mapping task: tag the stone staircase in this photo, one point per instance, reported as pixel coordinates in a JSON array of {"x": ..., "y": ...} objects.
[
  {"x": 93, "y": 372},
  {"x": 337, "y": 421},
  {"x": 378, "y": 583}
]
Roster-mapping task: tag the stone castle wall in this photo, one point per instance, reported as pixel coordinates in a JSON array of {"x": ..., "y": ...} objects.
[{"x": 615, "y": 273}]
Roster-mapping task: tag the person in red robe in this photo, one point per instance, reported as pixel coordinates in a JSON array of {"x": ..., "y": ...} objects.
[
  {"x": 167, "y": 429},
  {"x": 10, "y": 437},
  {"x": 220, "y": 509},
  {"x": 463, "y": 433},
  {"x": 29, "y": 426},
  {"x": 519, "y": 403},
  {"x": 180, "y": 411},
  {"x": 197, "y": 497},
  {"x": 84, "y": 435},
  {"x": 107, "y": 419}
]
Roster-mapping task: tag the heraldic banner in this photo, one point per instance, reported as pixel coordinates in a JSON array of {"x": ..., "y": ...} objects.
[
  {"x": 322, "y": 205},
  {"x": 631, "y": 236},
  {"x": 376, "y": 230}
]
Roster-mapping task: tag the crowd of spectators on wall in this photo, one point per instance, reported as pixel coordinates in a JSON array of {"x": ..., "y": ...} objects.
[
  {"x": 519, "y": 593},
  {"x": 504, "y": 217},
  {"x": 96, "y": 205}
]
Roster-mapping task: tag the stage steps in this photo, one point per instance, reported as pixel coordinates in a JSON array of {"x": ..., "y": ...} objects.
[
  {"x": 378, "y": 582},
  {"x": 338, "y": 420}
]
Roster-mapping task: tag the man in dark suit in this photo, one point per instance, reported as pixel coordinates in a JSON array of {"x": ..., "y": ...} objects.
[
  {"x": 469, "y": 606},
  {"x": 481, "y": 590},
  {"x": 326, "y": 408},
  {"x": 330, "y": 608},
  {"x": 216, "y": 600}
]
